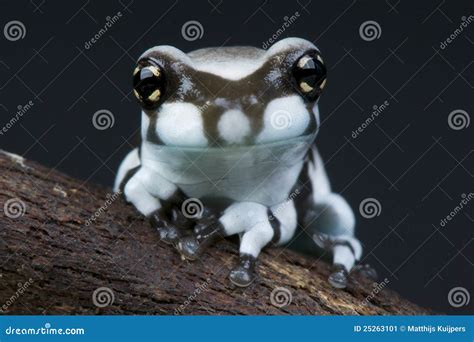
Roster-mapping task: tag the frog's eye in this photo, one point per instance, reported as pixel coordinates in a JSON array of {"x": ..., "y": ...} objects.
[
  {"x": 148, "y": 83},
  {"x": 310, "y": 75}
]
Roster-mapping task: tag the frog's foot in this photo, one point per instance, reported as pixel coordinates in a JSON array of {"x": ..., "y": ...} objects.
[
  {"x": 189, "y": 247},
  {"x": 338, "y": 277},
  {"x": 323, "y": 241},
  {"x": 179, "y": 220},
  {"x": 206, "y": 232},
  {"x": 346, "y": 250},
  {"x": 366, "y": 271},
  {"x": 244, "y": 273},
  {"x": 167, "y": 229},
  {"x": 170, "y": 223}
]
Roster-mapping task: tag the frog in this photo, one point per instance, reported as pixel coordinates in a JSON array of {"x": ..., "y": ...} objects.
[{"x": 228, "y": 148}]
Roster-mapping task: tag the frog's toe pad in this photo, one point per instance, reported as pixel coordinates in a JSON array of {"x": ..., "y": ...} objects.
[
  {"x": 241, "y": 276},
  {"x": 338, "y": 278},
  {"x": 188, "y": 247},
  {"x": 169, "y": 235},
  {"x": 322, "y": 240},
  {"x": 367, "y": 271}
]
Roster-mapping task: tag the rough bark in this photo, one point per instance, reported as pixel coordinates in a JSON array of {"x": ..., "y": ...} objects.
[{"x": 52, "y": 261}]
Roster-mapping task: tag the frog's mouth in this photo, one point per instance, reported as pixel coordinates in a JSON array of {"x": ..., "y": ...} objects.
[{"x": 307, "y": 139}]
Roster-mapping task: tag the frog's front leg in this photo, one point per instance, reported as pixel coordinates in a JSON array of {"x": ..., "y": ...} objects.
[
  {"x": 153, "y": 196},
  {"x": 257, "y": 224}
]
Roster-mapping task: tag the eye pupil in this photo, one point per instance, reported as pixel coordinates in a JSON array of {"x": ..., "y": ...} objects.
[{"x": 148, "y": 85}]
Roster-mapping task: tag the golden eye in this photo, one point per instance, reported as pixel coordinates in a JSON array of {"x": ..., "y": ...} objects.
[
  {"x": 305, "y": 87},
  {"x": 310, "y": 75},
  {"x": 148, "y": 84},
  {"x": 155, "y": 96},
  {"x": 323, "y": 84}
]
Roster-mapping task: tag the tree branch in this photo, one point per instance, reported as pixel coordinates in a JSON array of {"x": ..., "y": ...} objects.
[{"x": 71, "y": 238}]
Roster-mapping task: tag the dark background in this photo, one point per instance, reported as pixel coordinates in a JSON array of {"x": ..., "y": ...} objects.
[{"x": 409, "y": 158}]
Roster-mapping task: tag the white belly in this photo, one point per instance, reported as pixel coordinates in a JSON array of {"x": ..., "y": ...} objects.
[{"x": 262, "y": 173}]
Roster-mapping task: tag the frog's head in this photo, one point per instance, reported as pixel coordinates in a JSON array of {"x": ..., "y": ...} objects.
[{"x": 234, "y": 95}]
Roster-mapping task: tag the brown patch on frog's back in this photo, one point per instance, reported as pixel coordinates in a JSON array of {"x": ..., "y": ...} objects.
[
  {"x": 312, "y": 125},
  {"x": 210, "y": 118},
  {"x": 209, "y": 87},
  {"x": 254, "y": 113},
  {"x": 151, "y": 134}
]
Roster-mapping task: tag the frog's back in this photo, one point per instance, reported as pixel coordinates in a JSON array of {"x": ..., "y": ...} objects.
[{"x": 232, "y": 63}]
